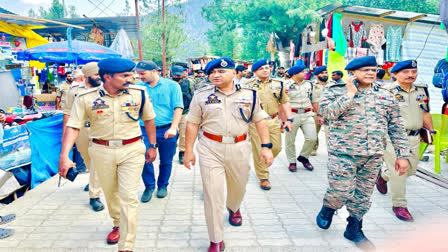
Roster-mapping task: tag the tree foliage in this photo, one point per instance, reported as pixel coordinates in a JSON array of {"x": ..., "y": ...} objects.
[
  {"x": 153, "y": 28},
  {"x": 55, "y": 11}
]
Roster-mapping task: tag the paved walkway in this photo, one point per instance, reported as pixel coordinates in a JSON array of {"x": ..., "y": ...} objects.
[{"x": 282, "y": 219}]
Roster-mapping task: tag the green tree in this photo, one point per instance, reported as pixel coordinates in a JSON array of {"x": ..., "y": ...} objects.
[
  {"x": 55, "y": 11},
  {"x": 152, "y": 36}
]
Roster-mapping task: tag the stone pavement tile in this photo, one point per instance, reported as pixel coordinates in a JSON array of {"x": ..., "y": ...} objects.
[
  {"x": 315, "y": 241},
  {"x": 101, "y": 244},
  {"x": 199, "y": 235},
  {"x": 230, "y": 243},
  {"x": 274, "y": 242},
  {"x": 198, "y": 229},
  {"x": 175, "y": 229},
  {"x": 172, "y": 243},
  {"x": 268, "y": 228},
  {"x": 203, "y": 244},
  {"x": 36, "y": 244},
  {"x": 173, "y": 236},
  {"x": 140, "y": 245},
  {"x": 43, "y": 236},
  {"x": 261, "y": 234},
  {"x": 6, "y": 244}
]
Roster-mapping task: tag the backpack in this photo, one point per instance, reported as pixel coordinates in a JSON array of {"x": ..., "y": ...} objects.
[
  {"x": 444, "y": 88},
  {"x": 440, "y": 72}
]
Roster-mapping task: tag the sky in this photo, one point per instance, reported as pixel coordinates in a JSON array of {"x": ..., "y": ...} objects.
[{"x": 87, "y": 7}]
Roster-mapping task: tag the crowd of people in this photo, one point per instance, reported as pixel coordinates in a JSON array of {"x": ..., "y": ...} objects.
[{"x": 119, "y": 124}]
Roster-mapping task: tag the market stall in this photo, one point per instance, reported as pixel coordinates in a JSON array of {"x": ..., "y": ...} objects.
[{"x": 348, "y": 32}]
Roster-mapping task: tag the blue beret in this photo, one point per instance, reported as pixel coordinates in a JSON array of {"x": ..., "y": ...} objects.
[
  {"x": 116, "y": 65},
  {"x": 219, "y": 63},
  {"x": 296, "y": 69},
  {"x": 361, "y": 62},
  {"x": 259, "y": 64},
  {"x": 407, "y": 64},
  {"x": 319, "y": 70}
]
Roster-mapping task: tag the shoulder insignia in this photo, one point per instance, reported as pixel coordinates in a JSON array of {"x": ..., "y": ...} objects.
[
  {"x": 250, "y": 81},
  {"x": 208, "y": 87},
  {"x": 90, "y": 90},
  {"x": 245, "y": 86},
  {"x": 422, "y": 85}
]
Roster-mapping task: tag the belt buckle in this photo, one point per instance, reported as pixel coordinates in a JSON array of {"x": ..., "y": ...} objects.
[
  {"x": 300, "y": 110},
  {"x": 228, "y": 139},
  {"x": 115, "y": 143}
]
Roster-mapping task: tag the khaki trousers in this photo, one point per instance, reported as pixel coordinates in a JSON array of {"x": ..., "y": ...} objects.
[
  {"x": 397, "y": 184},
  {"x": 119, "y": 170},
  {"x": 276, "y": 139},
  {"x": 306, "y": 123},
  {"x": 219, "y": 162},
  {"x": 182, "y": 128},
  {"x": 82, "y": 144}
]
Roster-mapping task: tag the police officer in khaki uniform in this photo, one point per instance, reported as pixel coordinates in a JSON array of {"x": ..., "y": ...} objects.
[
  {"x": 223, "y": 112},
  {"x": 91, "y": 80},
  {"x": 62, "y": 90},
  {"x": 319, "y": 86},
  {"x": 116, "y": 150},
  {"x": 414, "y": 109},
  {"x": 275, "y": 102},
  {"x": 300, "y": 93}
]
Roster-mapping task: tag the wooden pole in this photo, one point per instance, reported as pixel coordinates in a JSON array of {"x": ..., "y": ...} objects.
[
  {"x": 140, "y": 54},
  {"x": 163, "y": 41}
]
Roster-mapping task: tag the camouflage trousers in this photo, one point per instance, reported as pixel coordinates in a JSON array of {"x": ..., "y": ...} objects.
[{"x": 351, "y": 182}]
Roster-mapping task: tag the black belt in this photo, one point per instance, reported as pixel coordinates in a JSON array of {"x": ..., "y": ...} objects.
[
  {"x": 413, "y": 132},
  {"x": 163, "y": 126}
]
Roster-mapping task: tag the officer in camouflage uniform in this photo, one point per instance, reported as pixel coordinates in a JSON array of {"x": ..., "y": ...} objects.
[
  {"x": 414, "y": 108},
  {"x": 300, "y": 93},
  {"x": 319, "y": 85},
  {"x": 275, "y": 102},
  {"x": 361, "y": 115}
]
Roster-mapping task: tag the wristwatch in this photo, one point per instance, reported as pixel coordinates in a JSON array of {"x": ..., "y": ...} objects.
[
  {"x": 155, "y": 146},
  {"x": 290, "y": 119},
  {"x": 266, "y": 145}
]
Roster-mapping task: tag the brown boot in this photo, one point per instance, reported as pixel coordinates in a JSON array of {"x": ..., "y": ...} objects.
[
  {"x": 292, "y": 167},
  {"x": 235, "y": 218},
  {"x": 403, "y": 213},
  {"x": 216, "y": 247},
  {"x": 381, "y": 185},
  {"x": 265, "y": 184},
  {"x": 114, "y": 236}
]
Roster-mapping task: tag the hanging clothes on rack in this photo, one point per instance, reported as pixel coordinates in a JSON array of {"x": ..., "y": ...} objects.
[
  {"x": 394, "y": 37},
  {"x": 356, "y": 34},
  {"x": 338, "y": 34},
  {"x": 321, "y": 28},
  {"x": 376, "y": 40}
]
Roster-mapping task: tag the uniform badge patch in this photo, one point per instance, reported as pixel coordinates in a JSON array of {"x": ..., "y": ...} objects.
[
  {"x": 224, "y": 63},
  {"x": 212, "y": 99},
  {"x": 99, "y": 104},
  {"x": 399, "y": 97}
]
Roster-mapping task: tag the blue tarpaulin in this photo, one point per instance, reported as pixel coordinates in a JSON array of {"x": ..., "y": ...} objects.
[{"x": 45, "y": 140}]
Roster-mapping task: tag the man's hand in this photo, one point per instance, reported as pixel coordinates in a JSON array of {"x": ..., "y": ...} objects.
[
  {"x": 265, "y": 156},
  {"x": 351, "y": 87},
  {"x": 288, "y": 125},
  {"x": 320, "y": 120},
  {"x": 189, "y": 158},
  {"x": 171, "y": 132},
  {"x": 401, "y": 165},
  {"x": 151, "y": 155},
  {"x": 64, "y": 165},
  {"x": 2, "y": 117}
]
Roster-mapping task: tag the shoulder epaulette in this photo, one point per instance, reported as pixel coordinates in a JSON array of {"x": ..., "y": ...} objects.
[
  {"x": 245, "y": 86},
  {"x": 250, "y": 81},
  {"x": 90, "y": 90},
  {"x": 422, "y": 85},
  {"x": 208, "y": 87}
]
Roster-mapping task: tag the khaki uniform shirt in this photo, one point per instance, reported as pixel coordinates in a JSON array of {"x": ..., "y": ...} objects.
[
  {"x": 61, "y": 91},
  {"x": 221, "y": 114},
  {"x": 412, "y": 104},
  {"x": 301, "y": 95},
  {"x": 108, "y": 115},
  {"x": 272, "y": 92},
  {"x": 318, "y": 90},
  {"x": 75, "y": 89}
]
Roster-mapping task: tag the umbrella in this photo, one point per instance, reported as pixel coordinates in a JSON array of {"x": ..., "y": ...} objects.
[{"x": 80, "y": 52}]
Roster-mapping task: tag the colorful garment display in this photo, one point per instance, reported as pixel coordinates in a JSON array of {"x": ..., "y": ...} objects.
[
  {"x": 394, "y": 38},
  {"x": 356, "y": 34},
  {"x": 338, "y": 34},
  {"x": 376, "y": 37}
]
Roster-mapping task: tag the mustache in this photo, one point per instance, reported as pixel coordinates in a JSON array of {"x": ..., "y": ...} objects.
[{"x": 127, "y": 84}]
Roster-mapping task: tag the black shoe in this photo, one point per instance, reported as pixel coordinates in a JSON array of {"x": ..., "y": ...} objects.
[
  {"x": 147, "y": 195},
  {"x": 354, "y": 233},
  {"x": 96, "y": 204},
  {"x": 181, "y": 157},
  {"x": 324, "y": 218},
  {"x": 305, "y": 162},
  {"x": 86, "y": 189}
]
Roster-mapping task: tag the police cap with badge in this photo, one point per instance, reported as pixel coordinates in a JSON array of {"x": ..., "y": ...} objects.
[
  {"x": 259, "y": 64},
  {"x": 146, "y": 65},
  {"x": 221, "y": 63},
  {"x": 407, "y": 64},
  {"x": 296, "y": 69},
  {"x": 319, "y": 70}
]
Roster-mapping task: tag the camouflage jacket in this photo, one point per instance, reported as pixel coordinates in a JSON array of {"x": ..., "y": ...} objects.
[{"x": 359, "y": 126}]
